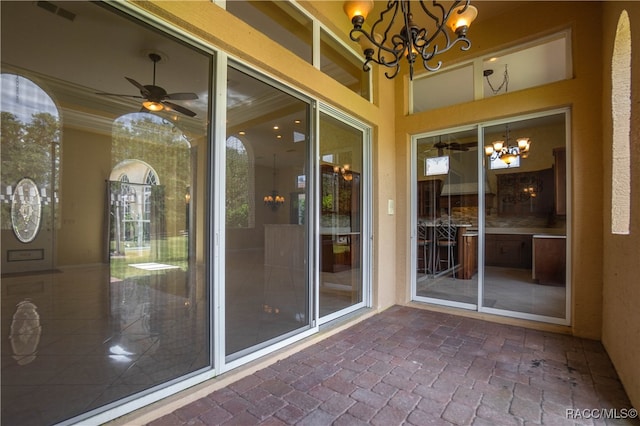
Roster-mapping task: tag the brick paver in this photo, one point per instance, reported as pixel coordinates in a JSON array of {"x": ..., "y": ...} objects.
[{"x": 408, "y": 366}]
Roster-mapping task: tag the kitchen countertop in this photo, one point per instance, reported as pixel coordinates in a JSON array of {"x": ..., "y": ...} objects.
[{"x": 527, "y": 231}]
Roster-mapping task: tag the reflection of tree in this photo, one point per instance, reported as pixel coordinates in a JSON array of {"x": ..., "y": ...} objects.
[
  {"x": 161, "y": 145},
  {"x": 237, "y": 196},
  {"x": 30, "y": 150}
]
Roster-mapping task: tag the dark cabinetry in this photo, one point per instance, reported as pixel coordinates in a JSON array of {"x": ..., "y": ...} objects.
[
  {"x": 529, "y": 193},
  {"x": 340, "y": 220},
  {"x": 549, "y": 260},
  {"x": 560, "y": 181},
  {"x": 506, "y": 250},
  {"x": 429, "y": 198}
]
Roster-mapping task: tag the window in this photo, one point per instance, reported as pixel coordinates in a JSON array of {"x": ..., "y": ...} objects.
[
  {"x": 280, "y": 21},
  {"x": 529, "y": 65},
  {"x": 342, "y": 65}
]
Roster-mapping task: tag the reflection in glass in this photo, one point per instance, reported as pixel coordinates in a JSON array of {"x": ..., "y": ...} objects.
[
  {"x": 25, "y": 332},
  {"x": 266, "y": 283},
  {"x": 339, "y": 63},
  {"x": 447, "y": 218},
  {"x": 116, "y": 270},
  {"x": 280, "y": 21},
  {"x": 341, "y": 151}
]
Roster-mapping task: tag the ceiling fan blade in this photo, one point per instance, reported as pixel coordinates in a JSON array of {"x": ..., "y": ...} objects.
[
  {"x": 143, "y": 90},
  {"x": 455, "y": 146},
  {"x": 179, "y": 108},
  {"x": 119, "y": 94},
  {"x": 185, "y": 96}
]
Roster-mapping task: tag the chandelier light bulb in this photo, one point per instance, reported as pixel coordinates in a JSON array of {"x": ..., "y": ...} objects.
[{"x": 357, "y": 9}]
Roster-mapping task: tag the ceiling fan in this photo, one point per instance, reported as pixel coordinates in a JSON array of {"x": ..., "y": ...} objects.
[
  {"x": 452, "y": 146},
  {"x": 155, "y": 97}
]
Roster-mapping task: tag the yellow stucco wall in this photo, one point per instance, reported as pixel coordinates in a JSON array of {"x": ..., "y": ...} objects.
[
  {"x": 581, "y": 94},
  {"x": 621, "y": 285},
  {"x": 392, "y": 130}
]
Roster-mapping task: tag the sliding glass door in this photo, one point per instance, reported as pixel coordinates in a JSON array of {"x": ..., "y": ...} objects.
[
  {"x": 341, "y": 215},
  {"x": 491, "y": 218},
  {"x": 525, "y": 233},
  {"x": 267, "y": 152},
  {"x": 446, "y": 230}
]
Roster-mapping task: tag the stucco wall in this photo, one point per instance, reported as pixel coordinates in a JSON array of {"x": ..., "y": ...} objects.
[
  {"x": 582, "y": 95},
  {"x": 621, "y": 288}
]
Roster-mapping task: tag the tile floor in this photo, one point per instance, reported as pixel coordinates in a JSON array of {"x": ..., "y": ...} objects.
[{"x": 417, "y": 367}]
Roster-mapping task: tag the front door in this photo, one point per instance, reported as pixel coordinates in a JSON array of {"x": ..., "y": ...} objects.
[{"x": 29, "y": 182}]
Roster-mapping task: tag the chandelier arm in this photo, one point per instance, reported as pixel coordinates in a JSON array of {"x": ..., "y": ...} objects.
[{"x": 429, "y": 55}]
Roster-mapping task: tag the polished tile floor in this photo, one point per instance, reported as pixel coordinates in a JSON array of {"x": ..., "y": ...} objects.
[
  {"x": 416, "y": 367},
  {"x": 508, "y": 289}
]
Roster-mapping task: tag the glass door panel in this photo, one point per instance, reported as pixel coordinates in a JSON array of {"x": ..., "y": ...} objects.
[
  {"x": 525, "y": 223},
  {"x": 447, "y": 218},
  {"x": 341, "y": 165},
  {"x": 266, "y": 283},
  {"x": 104, "y": 291}
]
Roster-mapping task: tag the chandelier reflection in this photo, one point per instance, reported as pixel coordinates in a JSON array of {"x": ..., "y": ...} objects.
[
  {"x": 381, "y": 45},
  {"x": 344, "y": 171},
  {"x": 501, "y": 149},
  {"x": 273, "y": 200}
]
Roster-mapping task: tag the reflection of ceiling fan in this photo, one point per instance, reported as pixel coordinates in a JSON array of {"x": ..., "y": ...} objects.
[
  {"x": 453, "y": 146},
  {"x": 155, "y": 97}
]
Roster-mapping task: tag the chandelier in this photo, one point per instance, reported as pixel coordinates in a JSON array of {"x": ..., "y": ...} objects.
[
  {"x": 273, "y": 200},
  {"x": 344, "y": 171},
  {"x": 508, "y": 153},
  {"x": 384, "y": 47}
]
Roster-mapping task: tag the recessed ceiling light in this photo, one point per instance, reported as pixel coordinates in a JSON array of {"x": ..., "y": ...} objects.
[{"x": 275, "y": 127}]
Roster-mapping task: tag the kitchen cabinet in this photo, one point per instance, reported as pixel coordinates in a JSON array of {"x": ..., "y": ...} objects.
[
  {"x": 429, "y": 198},
  {"x": 508, "y": 250},
  {"x": 530, "y": 193},
  {"x": 468, "y": 255},
  {"x": 340, "y": 220},
  {"x": 549, "y": 259},
  {"x": 560, "y": 181}
]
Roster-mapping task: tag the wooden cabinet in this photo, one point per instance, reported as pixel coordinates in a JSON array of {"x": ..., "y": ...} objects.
[
  {"x": 549, "y": 265},
  {"x": 530, "y": 193},
  {"x": 468, "y": 255},
  {"x": 509, "y": 251},
  {"x": 429, "y": 198},
  {"x": 560, "y": 181}
]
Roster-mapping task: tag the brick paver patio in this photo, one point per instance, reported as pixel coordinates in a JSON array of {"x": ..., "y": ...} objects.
[{"x": 417, "y": 367}]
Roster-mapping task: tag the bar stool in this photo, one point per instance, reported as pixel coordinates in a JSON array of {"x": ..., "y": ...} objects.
[
  {"x": 447, "y": 242},
  {"x": 424, "y": 250}
]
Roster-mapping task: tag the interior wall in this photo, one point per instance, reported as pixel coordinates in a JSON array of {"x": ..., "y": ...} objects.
[
  {"x": 582, "y": 94},
  {"x": 86, "y": 167},
  {"x": 621, "y": 293}
]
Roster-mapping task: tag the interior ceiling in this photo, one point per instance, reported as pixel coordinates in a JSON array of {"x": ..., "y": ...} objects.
[{"x": 105, "y": 57}]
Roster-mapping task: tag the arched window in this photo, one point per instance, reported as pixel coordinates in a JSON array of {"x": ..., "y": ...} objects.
[
  {"x": 240, "y": 204},
  {"x": 30, "y": 149},
  {"x": 621, "y": 118}
]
